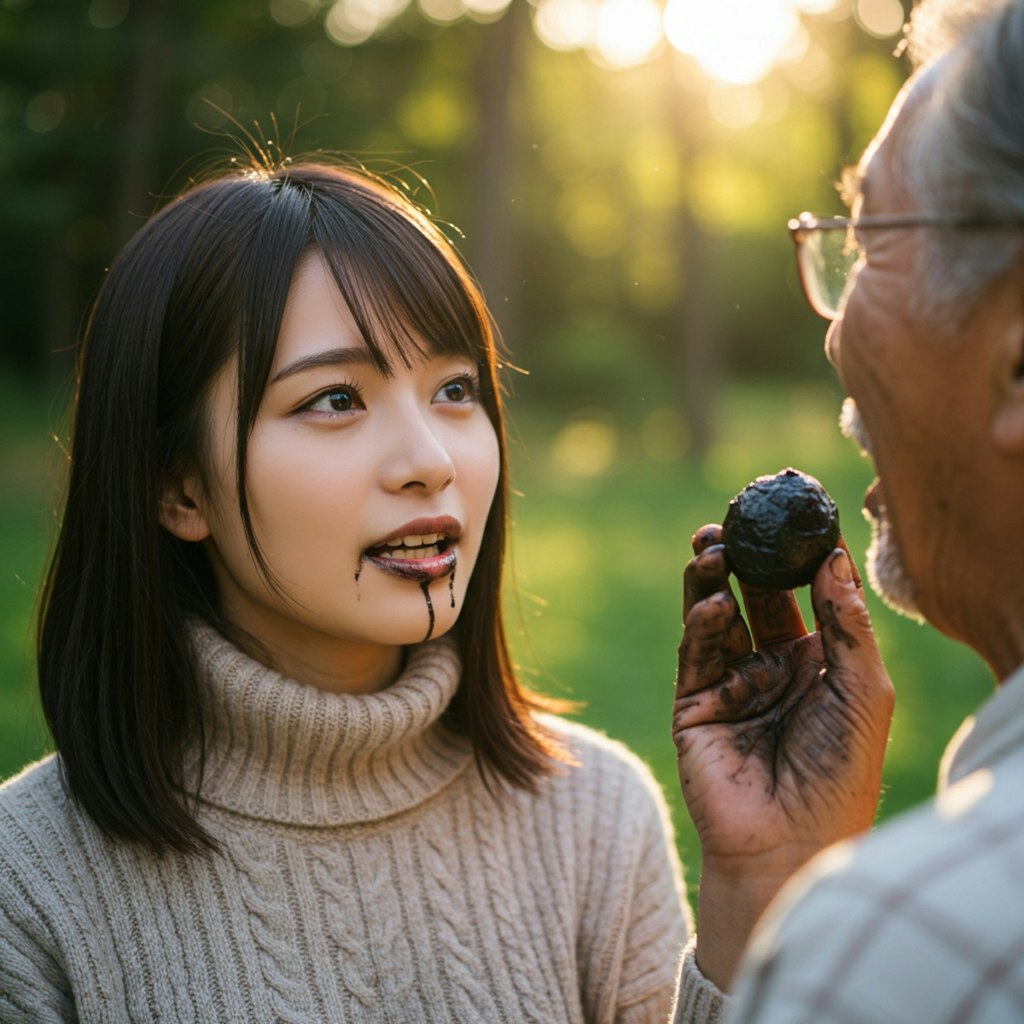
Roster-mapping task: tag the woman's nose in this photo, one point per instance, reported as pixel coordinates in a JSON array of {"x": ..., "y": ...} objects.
[{"x": 417, "y": 458}]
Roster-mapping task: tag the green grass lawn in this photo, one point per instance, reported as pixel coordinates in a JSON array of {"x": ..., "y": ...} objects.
[{"x": 601, "y": 534}]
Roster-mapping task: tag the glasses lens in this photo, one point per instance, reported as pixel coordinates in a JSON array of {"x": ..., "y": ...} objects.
[{"x": 829, "y": 256}]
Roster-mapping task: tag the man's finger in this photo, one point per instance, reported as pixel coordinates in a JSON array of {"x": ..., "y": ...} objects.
[
  {"x": 774, "y": 616},
  {"x": 852, "y": 658},
  {"x": 705, "y": 537},
  {"x": 702, "y": 652},
  {"x": 740, "y": 695},
  {"x": 705, "y": 574}
]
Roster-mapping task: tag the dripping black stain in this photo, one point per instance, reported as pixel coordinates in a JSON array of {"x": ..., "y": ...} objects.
[{"x": 425, "y": 587}]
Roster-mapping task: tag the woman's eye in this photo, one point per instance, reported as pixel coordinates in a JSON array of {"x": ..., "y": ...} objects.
[
  {"x": 340, "y": 399},
  {"x": 461, "y": 389}
]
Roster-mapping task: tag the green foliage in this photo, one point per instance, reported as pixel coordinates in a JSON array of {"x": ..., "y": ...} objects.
[{"x": 646, "y": 203}]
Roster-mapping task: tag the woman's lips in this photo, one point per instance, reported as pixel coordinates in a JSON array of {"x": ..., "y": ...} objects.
[{"x": 416, "y": 557}]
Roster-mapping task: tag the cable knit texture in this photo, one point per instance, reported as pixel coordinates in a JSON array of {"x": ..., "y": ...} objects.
[
  {"x": 366, "y": 874},
  {"x": 700, "y": 1001}
]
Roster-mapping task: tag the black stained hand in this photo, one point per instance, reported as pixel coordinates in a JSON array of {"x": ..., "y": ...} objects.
[{"x": 780, "y": 732}]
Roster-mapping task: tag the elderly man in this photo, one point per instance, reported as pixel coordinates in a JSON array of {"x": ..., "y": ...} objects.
[{"x": 780, "y": 734}]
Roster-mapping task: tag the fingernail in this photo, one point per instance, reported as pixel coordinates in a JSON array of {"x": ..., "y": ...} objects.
[{"x": 840, "y": 567}]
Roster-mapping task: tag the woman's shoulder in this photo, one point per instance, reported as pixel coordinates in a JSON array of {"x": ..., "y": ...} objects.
[
  {"x": 37, "y": 781},
  {"x": 590, "y": 745},
  {"x": 603, "y": 768},
  {"x": 34, "y": 809}
]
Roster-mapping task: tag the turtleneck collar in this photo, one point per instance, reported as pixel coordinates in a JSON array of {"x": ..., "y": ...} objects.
[{"x": 279, "y": 750}]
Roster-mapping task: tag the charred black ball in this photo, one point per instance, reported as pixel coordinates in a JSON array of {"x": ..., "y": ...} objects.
[{"x": 779, "y": 529}]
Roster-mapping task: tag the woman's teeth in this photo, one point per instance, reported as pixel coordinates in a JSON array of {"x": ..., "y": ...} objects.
[{"x": 414, "y": 546}]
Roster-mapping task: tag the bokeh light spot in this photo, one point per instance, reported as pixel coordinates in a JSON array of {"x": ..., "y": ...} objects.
[
  {"x": 303, "y": 96},
  {"x": 293, "y": 13},
  {"x": 350, "y": 22},
  {"x": 107, "y": 13},
  {"x": 585, "y": 448},
  {"x": 434, "y": 117},
  {"x": 565, "y": 24},
  {"x": 486, "y": 9},
  {"x": 591, "y": 219},
  {"x": 656, "y": 275},
  {"x": 881, "y": 18},
  {"x": 209, "y": 106},
  {"x": 731, "y": 196},
  {"x": 442, "y": 12},
  {"x": 628, "y": 31},
  {"x": 664, "y": 435},
  {"x": 45, "y": 111}
]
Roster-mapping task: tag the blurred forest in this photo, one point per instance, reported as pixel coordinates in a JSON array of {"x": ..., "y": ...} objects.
[{"x": 618, "y": 173}]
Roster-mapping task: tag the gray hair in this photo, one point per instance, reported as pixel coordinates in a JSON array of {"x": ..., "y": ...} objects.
[{"x": 964, "y": 146}]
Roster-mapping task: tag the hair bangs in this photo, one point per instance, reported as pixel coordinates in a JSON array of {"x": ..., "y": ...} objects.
[{"x": 404, "y": 284}]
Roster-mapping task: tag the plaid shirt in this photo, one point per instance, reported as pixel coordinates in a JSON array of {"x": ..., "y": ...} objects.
[{"x": 921, "y": 922}]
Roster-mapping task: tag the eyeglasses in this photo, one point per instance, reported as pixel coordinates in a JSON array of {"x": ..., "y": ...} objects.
[{"x": 828, "y": 249}]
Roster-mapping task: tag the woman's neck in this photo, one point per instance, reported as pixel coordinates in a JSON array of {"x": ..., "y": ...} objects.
[{"x": 321, "y": 660}]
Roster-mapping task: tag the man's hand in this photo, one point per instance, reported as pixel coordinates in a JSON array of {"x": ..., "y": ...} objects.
[{"x": 780, "y": 735}]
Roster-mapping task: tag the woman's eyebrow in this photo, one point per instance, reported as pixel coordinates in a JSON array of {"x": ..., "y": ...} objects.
[{"x": 357, "y": 356}]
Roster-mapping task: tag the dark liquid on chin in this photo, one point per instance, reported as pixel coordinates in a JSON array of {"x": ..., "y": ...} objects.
[
  {"x": 451, "y": 587},
  {"x": 425, "y": 587}
]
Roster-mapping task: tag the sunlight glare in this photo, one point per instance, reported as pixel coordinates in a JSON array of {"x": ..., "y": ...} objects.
[
  {"x": 735, "y": 41},
  {"x": 735, "y": 106},
  {"x": 813, "y": 73},
  {"x": 565, "y": 24},
  {"x": 628, "y": 31},
  {"x": 816, "y": 6}
]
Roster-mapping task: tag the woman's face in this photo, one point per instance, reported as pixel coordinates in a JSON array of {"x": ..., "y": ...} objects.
[{"x": 368, "y": 496}]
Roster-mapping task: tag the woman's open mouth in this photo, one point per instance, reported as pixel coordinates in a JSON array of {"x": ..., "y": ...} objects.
[{"x": 418, "y": 557}]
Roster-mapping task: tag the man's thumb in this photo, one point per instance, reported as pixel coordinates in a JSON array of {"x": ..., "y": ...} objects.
[{"x": 847, "y": 635}]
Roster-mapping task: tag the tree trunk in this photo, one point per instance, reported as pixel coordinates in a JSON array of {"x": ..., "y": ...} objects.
[
  {"x": 697, "y": 352},
  {"x": 492, "y": 248},
  {"x": 138, "y": 179}
]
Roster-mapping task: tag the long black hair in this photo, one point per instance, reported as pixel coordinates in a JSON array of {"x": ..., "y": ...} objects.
[{"x": 204, "y": 279}]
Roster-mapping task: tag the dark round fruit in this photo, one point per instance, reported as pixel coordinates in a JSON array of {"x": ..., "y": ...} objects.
[{"x": 779, "y": 529}]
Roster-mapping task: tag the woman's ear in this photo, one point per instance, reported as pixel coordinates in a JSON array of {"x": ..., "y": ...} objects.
[{"x": 181, "y": 510}]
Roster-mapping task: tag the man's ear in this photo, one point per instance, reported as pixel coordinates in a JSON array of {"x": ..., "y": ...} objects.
[
  {"x": 181, "y": 510},
  {"x": 1008, "y": 422}
]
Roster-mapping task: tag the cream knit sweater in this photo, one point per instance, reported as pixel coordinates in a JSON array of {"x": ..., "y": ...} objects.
[{"x": 366, "y": 874}]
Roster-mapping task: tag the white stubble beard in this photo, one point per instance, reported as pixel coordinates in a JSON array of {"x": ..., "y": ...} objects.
[{"x": 886, "y": 570}]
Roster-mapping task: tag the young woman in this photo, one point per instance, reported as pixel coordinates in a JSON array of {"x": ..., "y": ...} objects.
[{"x": 296, "y": 778}]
